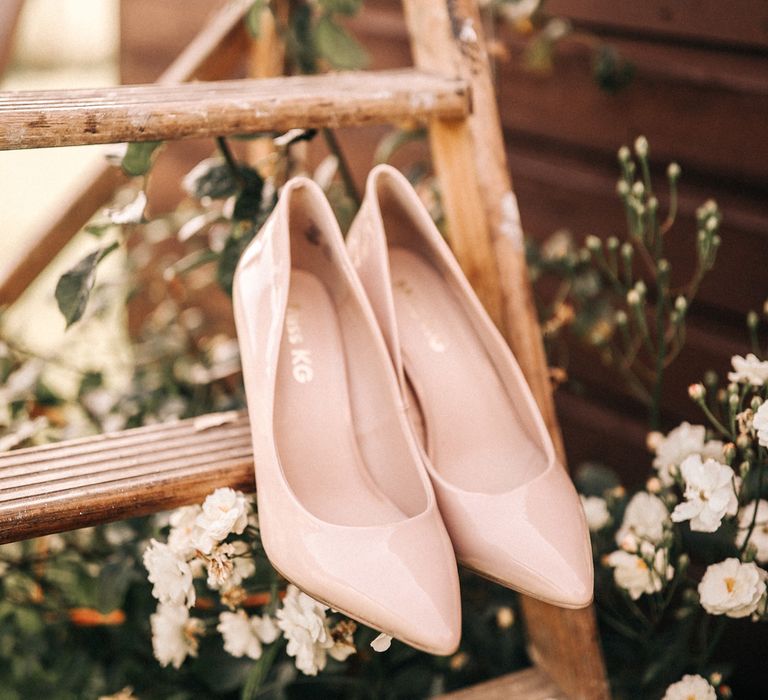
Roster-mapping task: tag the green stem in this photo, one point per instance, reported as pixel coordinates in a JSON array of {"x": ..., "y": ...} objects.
[
  {"x": 715, "y": 422},
  {"x": 344, "y": 171},
  {"x": 753, "y": 521},
  {"x": 234, "y": 168},
  {"x": 661, "y": 349}
]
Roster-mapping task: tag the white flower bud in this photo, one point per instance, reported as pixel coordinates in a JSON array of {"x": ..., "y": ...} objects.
[
  {"x": 638, "y": 189},
  {"x": 641, "y": 146},
  {"x": 681, "y": 304},
  {"x": 633, "y": 298},
  {"x": 624, "y": 154},
  {"x": 697, "y": 391},
  {"x": 622, "y": 188},
  {"x": 653, "y": 440},
  {"x": 593, "y": 243},
  {"x": 673, "y": 171}
]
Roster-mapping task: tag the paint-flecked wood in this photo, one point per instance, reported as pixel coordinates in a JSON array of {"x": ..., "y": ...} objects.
[
  {"x": 530, "y": 684},
  {"x": 211, "y": 54},
  {"x": 34, "y": 119},
  {"x": 94, "y": 480},
  {"x": 563, "y": 643}
]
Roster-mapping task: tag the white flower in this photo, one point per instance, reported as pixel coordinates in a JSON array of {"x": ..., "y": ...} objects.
[
  {"x": 759, "y": 537},
  {"x": 184, "y": 531},
  {"x": 760, "y": 424},
  {"x": 748, "y": 370},
  {"x": 131, "y": 213},
  {"x": 732, "y": 588},
  {"x": 170, "y": 573},
  {"x": 596, "y": 512},
  {"x": 243, "y": 635},
  {"x": 645, "y": 519},
  {"x": 229, "y": 564},
  {"x": 304, "y": 625},
  {"x": 343, "y": 640},
  {"x": 690, "y": 688},
  {"x": 709, "y": 494},
  {"x": 683, "y": 441},
  {"x": 519, "y": 10},
  {"x": 225, "y": 511},
  {"x": 174, "y": 634},
  {"x": 381, "y": 643},
  {"x": 635, "y": 574}
]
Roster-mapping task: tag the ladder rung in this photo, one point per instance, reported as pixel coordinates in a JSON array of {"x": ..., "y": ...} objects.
[
  {"x": 42, "y": 118},
  {"x": 67, "y": 485}
]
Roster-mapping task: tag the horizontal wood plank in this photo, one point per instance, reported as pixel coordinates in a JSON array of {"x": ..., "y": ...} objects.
[
  {"x": 94, "y": 480},
  {"x": 529, "y": 684},
  {"x": 744, "y": 23},
  {"x": 35, "y": 119}
]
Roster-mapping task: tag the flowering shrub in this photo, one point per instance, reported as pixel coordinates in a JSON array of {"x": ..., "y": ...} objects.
[
  {"x": 681, "y": 557},
  {"x": 218, "y": 542}
]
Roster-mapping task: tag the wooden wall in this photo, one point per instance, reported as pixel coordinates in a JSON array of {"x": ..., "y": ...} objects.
[{"x": 700, "y": 94}]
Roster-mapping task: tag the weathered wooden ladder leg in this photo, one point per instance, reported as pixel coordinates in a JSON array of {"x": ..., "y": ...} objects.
[{"x": 486, "y": 236}]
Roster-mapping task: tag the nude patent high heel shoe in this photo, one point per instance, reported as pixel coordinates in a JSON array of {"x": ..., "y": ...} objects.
[
  {"x": 346, "y": 509},
  {"x": 511, "y": 510}
]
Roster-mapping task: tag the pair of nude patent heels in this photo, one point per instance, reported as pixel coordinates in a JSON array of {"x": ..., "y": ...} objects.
[{"x": 393, "y": 432}]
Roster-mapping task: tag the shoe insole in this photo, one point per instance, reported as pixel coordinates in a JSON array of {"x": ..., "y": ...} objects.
[
  {"x": 313, "y": 419},
  {"x": 474, "y": 436}
]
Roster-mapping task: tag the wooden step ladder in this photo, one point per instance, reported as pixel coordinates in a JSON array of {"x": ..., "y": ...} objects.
[{"x": 62, "y": 486}]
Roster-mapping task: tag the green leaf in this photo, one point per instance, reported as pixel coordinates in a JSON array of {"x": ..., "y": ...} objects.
[
  {"x": 342, "y": 7},
  {"x": 593, "y": 479},
  {"x": 394, "y": 141},
  {"x": 253, "y": 18},
  {"x": 611, "y": 71},
  {"x": 230, "y": 255},
  {"x": 74, "y": 287},
  {"x": 138, "y": 158},
  {"x": 260, "y": 671},
  {"x": 300, "y": 40},
  {"x": 248, "y": 203},
  {"x": 338, "y": 46},
  {"x": 114, "y": 579}
]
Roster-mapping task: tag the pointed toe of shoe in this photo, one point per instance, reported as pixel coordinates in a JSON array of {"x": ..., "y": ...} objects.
[
  {"x": 400, "y": 579},
  {"x": 533, "y": 539}
]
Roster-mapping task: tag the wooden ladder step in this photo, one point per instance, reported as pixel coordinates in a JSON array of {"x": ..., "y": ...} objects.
[
  {"x": 42, "y": 118},
  {"x": 67, "y": 485},
  {"x": 528, "y": 684}
]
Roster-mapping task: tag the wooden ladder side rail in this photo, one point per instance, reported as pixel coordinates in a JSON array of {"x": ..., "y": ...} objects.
[
  {"x": 213, "y": 53},
  {"x": 486, "y": 235}
]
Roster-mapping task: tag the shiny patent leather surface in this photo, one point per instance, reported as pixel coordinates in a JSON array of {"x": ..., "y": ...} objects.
[
  {"x": 525, "y": 529},
  {"x": 390, "y": 566}
]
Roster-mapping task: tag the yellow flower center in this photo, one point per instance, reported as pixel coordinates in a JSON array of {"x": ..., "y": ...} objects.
[
  {"x": 730, "y": 584},
  {"x": 640, "y": 564}
]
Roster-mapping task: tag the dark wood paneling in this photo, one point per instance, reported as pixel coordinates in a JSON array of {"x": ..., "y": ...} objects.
[{"x": 737, "y": 23}]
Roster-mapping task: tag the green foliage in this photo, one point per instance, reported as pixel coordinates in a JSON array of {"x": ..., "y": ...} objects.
[
  {"x": 336, "y": 45},
  {"x": 253, "y": 17},
  {"x": 74, "y": 287},
  {"x": 138, "y": 157},
  {"x": 612, "y": 72},
  {"x": 605, "y": 286}
]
